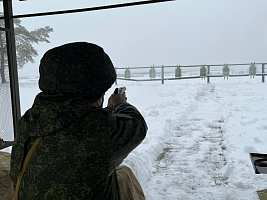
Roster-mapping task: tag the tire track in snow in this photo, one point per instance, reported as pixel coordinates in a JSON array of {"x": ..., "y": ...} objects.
[{"x": 189, "y": 164}]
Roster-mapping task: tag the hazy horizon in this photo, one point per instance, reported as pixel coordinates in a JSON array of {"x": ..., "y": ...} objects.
[{"x": 183, "y": 32}]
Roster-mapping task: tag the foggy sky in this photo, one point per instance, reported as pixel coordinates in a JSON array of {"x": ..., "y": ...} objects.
[{"x": 184, "y": 32}]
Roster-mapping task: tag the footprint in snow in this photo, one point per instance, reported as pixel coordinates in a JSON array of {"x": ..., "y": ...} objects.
[
  {"x": 250, "y": 149},
  {"x": 263, "y": 127},
  {"x": 257, "y": 140},
  {"x": 153, "y": 113}
]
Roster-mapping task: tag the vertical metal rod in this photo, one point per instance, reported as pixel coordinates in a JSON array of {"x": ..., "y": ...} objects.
[
  {"x": 208, "y": 79},
  {"x": 116, "y": 76},
  {"x": 12, "y": 63},
  {"x": 162, "y": 74},
  {"x": 263, "y": 66}
]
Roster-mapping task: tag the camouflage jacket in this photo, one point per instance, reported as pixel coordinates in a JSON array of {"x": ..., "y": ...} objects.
[{"x": 80, "y": 148}]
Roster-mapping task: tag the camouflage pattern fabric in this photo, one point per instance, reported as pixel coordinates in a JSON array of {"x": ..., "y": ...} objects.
[
  {"x": 80, "y": 149},
  {"x": 81, "y": 145},
  {"x": 78, "y": 68}
]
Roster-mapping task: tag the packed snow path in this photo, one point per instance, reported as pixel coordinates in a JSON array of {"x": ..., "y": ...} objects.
[
  {"x": 199, "y": 139},
  {"x": 192, "y": 157}
]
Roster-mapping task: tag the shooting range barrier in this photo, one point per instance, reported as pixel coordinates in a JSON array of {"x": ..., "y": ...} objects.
[{"x": 163, "y": 73}]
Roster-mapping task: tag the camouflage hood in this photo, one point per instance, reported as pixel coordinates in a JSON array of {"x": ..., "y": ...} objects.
[{"x": 80, "y": 68}]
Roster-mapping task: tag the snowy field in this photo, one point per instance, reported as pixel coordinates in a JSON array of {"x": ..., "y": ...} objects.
[{"x": 199, "y": 138}]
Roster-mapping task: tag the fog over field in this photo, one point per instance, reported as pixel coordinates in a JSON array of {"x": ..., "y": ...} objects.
[
  {"x": 185, "y": 32},
  {"x": 200, "y": 135}
]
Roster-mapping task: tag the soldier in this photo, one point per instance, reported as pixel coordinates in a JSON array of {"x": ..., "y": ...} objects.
[{"x": 72, "y": 144}]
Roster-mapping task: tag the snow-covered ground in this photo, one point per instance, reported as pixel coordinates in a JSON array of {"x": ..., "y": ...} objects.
[{"x": 199, "y": 138}]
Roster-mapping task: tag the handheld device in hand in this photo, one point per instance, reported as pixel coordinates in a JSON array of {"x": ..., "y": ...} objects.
[{"x": 120, "y": 90}]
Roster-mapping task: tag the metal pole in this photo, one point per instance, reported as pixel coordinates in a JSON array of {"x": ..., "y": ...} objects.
[
  {"x": 162, "y": 74},
  {"x": 12, "y": 63},
  {"x": 116, "y": 75},
  {"x": 90, "y": 9},
  {"x": 208, "y": 79},
  {"x": 263, "y": 66}
]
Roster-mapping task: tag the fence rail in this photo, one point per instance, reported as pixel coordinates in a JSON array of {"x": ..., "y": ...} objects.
[{"x": 205, "y": 72}]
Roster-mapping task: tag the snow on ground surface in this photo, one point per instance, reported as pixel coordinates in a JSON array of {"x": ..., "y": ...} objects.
[{"x": 199, "y": 137}]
